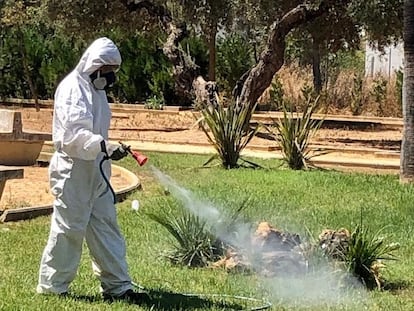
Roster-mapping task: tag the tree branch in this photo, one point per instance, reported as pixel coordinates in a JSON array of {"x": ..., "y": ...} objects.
[
  {"x": 185, "y": 71},
  {"x": 272, "y": 58},
  {"x": 153, "y": 10}
]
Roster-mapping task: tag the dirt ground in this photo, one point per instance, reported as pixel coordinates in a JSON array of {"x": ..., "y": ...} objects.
[
  {"x": 33, "y": 189},
  {"x": 181, "y": 127},
  {"x": 172, "y": 127}
]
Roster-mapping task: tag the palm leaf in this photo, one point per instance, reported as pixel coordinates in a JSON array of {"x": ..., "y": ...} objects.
[
  {"x": 293, "y": 134},
  {"x": 365, "y": 251},
  {"x": 193, "y": 242},
  {"x": 227, "y": 129}
]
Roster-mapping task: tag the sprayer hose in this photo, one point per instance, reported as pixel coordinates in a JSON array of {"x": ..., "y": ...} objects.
[
  {"x": 265, "y": 304},
  {"x": 106, "y": 178}
]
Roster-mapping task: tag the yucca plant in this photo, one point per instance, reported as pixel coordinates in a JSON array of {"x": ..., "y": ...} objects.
[
  {"x": 293, "y": 133},
  {"x": 365, "y": 255},
  {"x": 194, "y": 244},
  {"x": 228, "y": 130},
  {"x": 197, "y": 243}
]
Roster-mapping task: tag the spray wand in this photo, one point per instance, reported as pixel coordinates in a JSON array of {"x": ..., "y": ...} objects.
[{"x": 140, "y": 158}]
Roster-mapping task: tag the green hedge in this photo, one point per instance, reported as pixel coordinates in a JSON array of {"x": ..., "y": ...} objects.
[{"x": 42, "y": 56}]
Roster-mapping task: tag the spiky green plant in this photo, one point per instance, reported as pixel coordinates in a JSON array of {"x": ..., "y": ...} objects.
[
  {"x": 293, "y": 133},
  {"x": 366, "y": 253},
  {"x": 228, "y": 130},
  {"x": 194, "y": 244}
]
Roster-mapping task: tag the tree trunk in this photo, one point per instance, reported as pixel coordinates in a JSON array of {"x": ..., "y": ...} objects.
[
  {"x": 407, "y": 147},
  {"x": 316, "y": 66},
  {"x": 212, "y": 55},
  {"x": 252, "y": 85},
  {"x": 185, "y": 71}
]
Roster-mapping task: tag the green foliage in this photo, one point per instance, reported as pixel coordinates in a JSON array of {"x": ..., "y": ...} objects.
[
  {"x": 145, "y": 71},
  {"x": 227, "y": 129},
  {"x": 379, "y": 92},
  {"x": 276, "y": 94},
  {"x": 9, "y": 70},
  {"x": 154, "y": 102},
  {"x": 366, "y": 253},
  {"x": 350, "y": 59},
  {"x": 198, "y": 50},
  {"x": 34, "y": 54},
  {"x": 399, "y": 85},
  {"x": 12, "y": 57},
  {"x": 194, "y": 244},
  {"x": 234, "y": 58},
  {"x": 26, "y": 39},
  {"x": 381, "y": 19},
  {"x": 343, "y": 60},
  {"x": 357, "y": 95},
  {"x": 293, "y": 134},
  {"x": 50, "y": 55}
]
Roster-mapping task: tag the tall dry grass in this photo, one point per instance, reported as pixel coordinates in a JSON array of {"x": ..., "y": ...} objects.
[{"x": 349, "y": 92}]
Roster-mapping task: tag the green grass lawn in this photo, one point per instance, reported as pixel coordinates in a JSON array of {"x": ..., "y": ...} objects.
[{"x": 295, "y": 201}]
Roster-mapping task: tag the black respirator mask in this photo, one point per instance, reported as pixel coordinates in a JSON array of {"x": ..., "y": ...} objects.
[{"x": 103, "y": 81}]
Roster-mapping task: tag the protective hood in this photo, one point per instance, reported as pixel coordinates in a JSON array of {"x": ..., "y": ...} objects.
[
  {"x": 81, "y": 113},
  {"x": 101, "y": 52}
]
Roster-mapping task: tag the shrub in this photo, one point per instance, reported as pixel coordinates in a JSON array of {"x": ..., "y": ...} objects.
[
  {"x": 144, "y": 72},
  {"x": 361, "y": 253},
  {"x": 357, "y": 95},
  {"x": 234, "y": 58},
  {"x": 228, "y": 130},
  {"x": 154, "y": 102},
  {"x": 293, "y": 133},
  {"x": 274, "y": 98},
  {"x": 194, "y": 244},
  {"x": 365, "y": 255},
  {"x": 399, "y": 86},
  {"x": 379, "y": 93}
]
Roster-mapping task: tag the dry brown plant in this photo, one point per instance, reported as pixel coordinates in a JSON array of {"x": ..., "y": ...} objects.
[{"x": 341, "y": 93}]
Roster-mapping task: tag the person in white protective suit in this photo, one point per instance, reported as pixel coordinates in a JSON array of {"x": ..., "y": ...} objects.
[{"x": 83, "y": 207}]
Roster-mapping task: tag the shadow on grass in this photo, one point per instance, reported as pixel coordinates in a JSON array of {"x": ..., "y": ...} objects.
[
  {"x": 86, "y": 298},
  {"x": 166, "y": 300},
  {"x": 396, "y": 286}
]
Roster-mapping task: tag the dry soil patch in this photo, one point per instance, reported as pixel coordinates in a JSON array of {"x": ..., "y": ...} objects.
[{"x": 33, "y": 189}]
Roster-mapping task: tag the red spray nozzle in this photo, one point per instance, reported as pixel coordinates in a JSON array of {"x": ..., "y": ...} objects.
[{"x": 140, "y": 158}]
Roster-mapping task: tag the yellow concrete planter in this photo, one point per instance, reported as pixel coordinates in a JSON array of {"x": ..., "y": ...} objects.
[
  {"x": 18, "y": 147},
  {"x": 19, "y": 153}
]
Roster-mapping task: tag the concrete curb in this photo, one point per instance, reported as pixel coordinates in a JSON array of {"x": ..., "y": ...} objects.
[{"x": 133, "y": 184}]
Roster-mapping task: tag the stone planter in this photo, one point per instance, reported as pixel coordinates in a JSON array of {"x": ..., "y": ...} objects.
[
  {"x": 19, "y": 153},
  {"x": 17, "y": 147}
]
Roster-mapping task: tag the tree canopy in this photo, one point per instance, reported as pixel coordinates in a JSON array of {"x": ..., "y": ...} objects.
[{"x": 339, "y": 24}]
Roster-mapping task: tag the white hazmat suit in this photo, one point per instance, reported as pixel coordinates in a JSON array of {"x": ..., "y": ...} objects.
[{"x": 83, "y": 205}]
